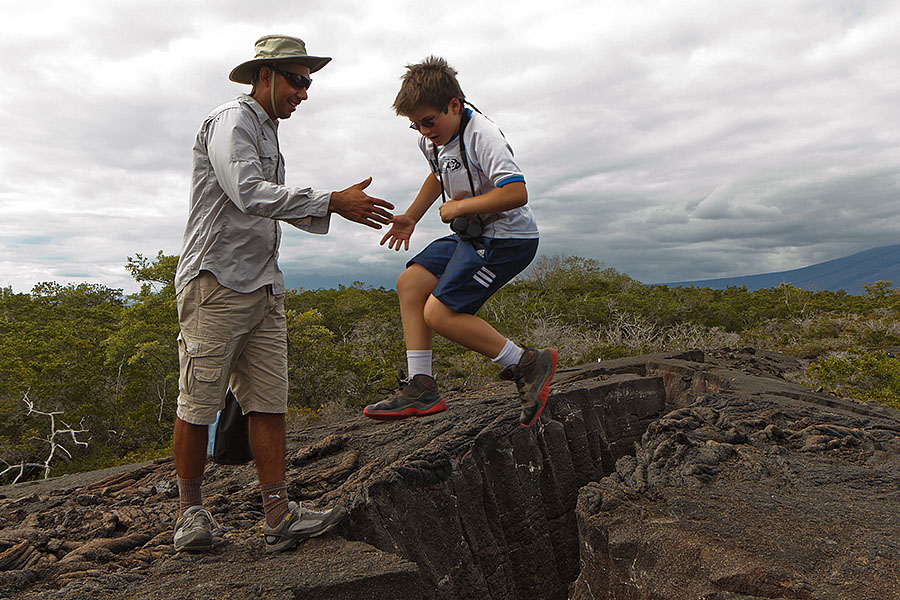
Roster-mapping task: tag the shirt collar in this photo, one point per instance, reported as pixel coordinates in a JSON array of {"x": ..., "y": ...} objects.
[
  {"x": 258, "y": 110},
  {"x": 469, "y": 113}
]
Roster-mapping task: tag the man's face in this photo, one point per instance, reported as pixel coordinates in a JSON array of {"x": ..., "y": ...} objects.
[
  {"x": 287, "y": 96},
  {"x": 437, "y": 125}
]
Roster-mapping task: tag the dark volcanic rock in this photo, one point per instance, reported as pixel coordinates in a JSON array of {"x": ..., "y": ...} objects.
[
  {"x": 755, "y": 489},
  {"x": 742, "y": 486}
]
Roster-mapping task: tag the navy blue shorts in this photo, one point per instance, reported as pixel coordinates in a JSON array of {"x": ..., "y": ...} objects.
[{"x": 469, "y": 273}]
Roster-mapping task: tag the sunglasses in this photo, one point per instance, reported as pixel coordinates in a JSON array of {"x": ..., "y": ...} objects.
[
  {"x": 297, "y": 81},
  {"x": 427, "y": 123}
]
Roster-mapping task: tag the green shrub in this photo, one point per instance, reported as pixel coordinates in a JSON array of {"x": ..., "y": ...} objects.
[
  {"x": 871, "y": 376},
  {"x": 111, "y": 362}
]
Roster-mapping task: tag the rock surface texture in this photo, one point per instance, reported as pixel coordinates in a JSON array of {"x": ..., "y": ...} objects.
[{"x": 690, "y": 475}]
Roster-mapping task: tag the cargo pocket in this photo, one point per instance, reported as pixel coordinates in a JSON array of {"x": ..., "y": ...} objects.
[{"x": 204, "y": 360}]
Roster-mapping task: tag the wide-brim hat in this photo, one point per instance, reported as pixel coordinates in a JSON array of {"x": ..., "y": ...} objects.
[{"x": 277, "y": 49}]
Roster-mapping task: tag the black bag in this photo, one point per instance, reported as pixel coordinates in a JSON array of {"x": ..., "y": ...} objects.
[{"x": 232, "y": 443}]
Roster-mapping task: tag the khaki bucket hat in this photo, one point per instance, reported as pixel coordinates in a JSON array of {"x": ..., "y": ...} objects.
[{"x": 277, "y": 48}]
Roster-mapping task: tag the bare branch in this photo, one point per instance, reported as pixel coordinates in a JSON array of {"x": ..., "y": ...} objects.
[{"x": 51, "y": 440}]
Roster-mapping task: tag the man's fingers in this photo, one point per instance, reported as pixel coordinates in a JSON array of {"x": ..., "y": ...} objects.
[
  {"x": 364, "y": 183},
  {"x": 383, "y": 219},
  {"x": 382, "y": 203}
]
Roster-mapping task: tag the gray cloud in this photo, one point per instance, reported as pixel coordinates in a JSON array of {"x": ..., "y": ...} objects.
[{"x": 671, "y": 141}]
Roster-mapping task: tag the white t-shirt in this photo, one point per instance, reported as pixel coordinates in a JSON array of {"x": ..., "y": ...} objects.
[{"x": 491, "y": 165}]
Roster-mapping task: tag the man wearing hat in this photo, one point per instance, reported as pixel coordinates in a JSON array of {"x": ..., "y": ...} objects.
[{"x": 231, "y": 291}]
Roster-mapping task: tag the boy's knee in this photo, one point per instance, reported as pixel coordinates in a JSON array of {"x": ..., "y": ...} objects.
[
  {"x": 403, "y": 282},
  {"x": 415, "y": 280},
  {"x": 431, "y": 318},
  {"x": 436, "y": 313}
]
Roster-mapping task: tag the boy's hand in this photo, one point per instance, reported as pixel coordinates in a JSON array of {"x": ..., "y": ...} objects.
[
  {"x": 451, "y": 210},
  {"x": 399, "y": 233},
  {"x": 355, "y": 205}
]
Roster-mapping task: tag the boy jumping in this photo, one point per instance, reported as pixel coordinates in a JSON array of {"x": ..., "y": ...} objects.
[{"x": 495, "y": 237}]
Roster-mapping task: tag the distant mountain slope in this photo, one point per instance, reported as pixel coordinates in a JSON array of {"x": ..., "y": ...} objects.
[{"x": 848, "y": 273}]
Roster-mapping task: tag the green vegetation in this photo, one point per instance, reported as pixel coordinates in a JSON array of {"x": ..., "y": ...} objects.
[
  {"x": 108, "y": 362},
  {"x": 871, "y": 376}
]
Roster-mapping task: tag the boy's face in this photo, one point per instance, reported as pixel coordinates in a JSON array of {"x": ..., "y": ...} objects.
[{"x": 437, "y": 125}]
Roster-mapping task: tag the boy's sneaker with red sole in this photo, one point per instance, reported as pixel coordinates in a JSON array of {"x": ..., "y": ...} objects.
[
  {"x": 532, "y": 375},
  {"x": 417, "y": 397}
]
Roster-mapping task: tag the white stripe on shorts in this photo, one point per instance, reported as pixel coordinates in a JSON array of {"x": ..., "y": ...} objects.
[{"x": 484, "y": 277}]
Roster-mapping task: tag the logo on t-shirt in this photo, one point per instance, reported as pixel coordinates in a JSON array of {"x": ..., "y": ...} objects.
[{"x": 452, "y": 165}]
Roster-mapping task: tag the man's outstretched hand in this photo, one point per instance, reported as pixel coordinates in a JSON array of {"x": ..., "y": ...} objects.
[{"x": 355, "y": 205}]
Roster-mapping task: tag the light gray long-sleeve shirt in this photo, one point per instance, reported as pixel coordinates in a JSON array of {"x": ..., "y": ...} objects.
[{"x": 238, "y": 197}]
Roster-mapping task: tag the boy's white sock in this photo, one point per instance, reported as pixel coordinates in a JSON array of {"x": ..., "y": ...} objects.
[
  {"x": 510, "y": 355},
  {"x": 418, "y": 362}
]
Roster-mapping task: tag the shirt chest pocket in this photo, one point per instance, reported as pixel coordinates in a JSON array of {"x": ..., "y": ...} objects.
[{"x": 268, "y": 158}]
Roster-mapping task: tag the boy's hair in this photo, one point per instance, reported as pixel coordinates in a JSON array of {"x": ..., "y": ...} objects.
[{"x": 430, "y": 83}]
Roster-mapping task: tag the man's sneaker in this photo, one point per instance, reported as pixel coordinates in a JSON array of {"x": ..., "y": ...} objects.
[
  {"x": 194, "y": 530},
  {"x": 532, "y": 375},
  {"x": 417, "y": 397},
  {"x": 299, "y": 524}
]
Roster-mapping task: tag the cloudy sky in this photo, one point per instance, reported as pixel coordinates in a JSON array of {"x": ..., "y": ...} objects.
[{"x": 668, "y": 140}]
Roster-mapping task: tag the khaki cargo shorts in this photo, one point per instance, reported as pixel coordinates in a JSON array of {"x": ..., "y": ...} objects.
[{"x": 230, "y": 339}]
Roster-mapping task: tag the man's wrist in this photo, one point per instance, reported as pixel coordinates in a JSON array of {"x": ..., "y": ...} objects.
[{"x": 334, "y": 199}]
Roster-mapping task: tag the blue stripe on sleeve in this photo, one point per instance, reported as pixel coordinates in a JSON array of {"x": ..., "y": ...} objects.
[{"x": 510, "y": 179}]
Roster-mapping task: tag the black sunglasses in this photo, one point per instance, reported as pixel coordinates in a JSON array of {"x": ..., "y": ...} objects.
[{"x": 297, "y": 81}]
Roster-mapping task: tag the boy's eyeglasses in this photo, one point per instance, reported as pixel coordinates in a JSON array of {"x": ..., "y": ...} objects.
[
  {"x": 427, "y": 123},
  {"x": 297, "y": 81}
]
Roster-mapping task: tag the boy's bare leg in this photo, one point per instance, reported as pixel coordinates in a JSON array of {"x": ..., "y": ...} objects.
[
  {"x": 418, "y": 396},
  {"x": 466, "y": 330},
  {"x": 414, "y": 287}
]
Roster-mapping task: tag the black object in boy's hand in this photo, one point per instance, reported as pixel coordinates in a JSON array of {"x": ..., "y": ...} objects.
[{"x": 465, "y": 228}]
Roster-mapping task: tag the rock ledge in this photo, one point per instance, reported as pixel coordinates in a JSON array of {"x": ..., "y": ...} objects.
[{"x": 668, "y": 476}]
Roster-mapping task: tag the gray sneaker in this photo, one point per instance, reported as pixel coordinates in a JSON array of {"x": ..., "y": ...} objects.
[
  {"x": 299, "y": 524},
  {"x": 532, "y": 375},
  {"x": 194, "y": 530},
  {"x": 417, "y": 397}
]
